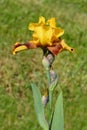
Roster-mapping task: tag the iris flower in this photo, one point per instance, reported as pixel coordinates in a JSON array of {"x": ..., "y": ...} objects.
[{"x": 46, "y": 36}]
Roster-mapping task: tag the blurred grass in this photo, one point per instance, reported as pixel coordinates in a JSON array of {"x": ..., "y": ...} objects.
[{"x": 17, "y": 72}]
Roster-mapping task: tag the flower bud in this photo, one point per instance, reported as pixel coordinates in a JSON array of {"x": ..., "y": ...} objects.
[
  {"x": 45, "y": 62},
  {"x": 50, "y": 58},
  {"x": 45, "y": 99},
  {"x": 53, "y": 75},
  {"x": 54, "y": 80}
]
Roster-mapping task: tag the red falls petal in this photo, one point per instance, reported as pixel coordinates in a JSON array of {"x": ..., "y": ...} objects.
[
  {"x": 55, "y": 49},
  {"x": 18, "y": 47}
]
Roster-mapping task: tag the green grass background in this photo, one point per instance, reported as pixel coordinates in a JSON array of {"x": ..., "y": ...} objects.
[{"x": 17, "y": 72}]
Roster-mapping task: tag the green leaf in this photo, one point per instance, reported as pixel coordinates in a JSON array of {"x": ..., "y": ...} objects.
[
  {"x": 39, "y": 107},
  {"x": 58, "y": 118}
]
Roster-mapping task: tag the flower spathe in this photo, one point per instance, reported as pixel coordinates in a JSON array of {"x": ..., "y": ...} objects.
[{"x": 45, "y": 35}]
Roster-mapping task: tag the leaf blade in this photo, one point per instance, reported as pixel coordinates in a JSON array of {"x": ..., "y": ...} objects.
[
  {"x": 58, "y": 117},
  {"x": 39, "y": 108}
]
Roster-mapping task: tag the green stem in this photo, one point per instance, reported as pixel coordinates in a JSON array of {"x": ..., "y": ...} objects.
[
  {"x": 50, "y": 93},
  {"x": 50, "y": 100},
  {"x": 48, "y": 75}
]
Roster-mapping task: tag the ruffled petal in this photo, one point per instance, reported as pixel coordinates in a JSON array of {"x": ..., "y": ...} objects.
[
  {"x": 41, "y": 20},
  {"x": 44, "y": 35},
  {"x": 58, "y": 32},
  {"x": 52, "y": 22},
  {"x": 33, "y": 26},
  {"x": 45, "y": 32}
]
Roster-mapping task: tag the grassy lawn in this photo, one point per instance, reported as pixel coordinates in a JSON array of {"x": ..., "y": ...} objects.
[{"x": 17, "y": 72}]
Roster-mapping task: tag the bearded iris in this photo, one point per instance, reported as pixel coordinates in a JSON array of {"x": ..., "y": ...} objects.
[{"x": 46, "y": 36}]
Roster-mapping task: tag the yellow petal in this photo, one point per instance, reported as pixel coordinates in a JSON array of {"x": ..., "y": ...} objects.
[
  {"x": 66, "y": 47},
  {"x": 32, "y": 26},
  {"x": 41, "y": 20},
  {"x": 27, "y": 45},
  {"x": 44, "y": 35},
  {"x": 35, "y": 42},
  {"x": 52, "y": 22},
  {"x": 58, "y": 32},
  {"x": 22, "y": 47},
  {"x": 45, "y": 32}
]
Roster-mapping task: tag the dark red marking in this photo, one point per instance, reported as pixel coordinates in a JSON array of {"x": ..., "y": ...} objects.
[
  {"x": 17, "y": 45},
  {"x": 55, "y": 49},
  {"x": 72, "y": 49},
  {"x": 30, "y": 45}
]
